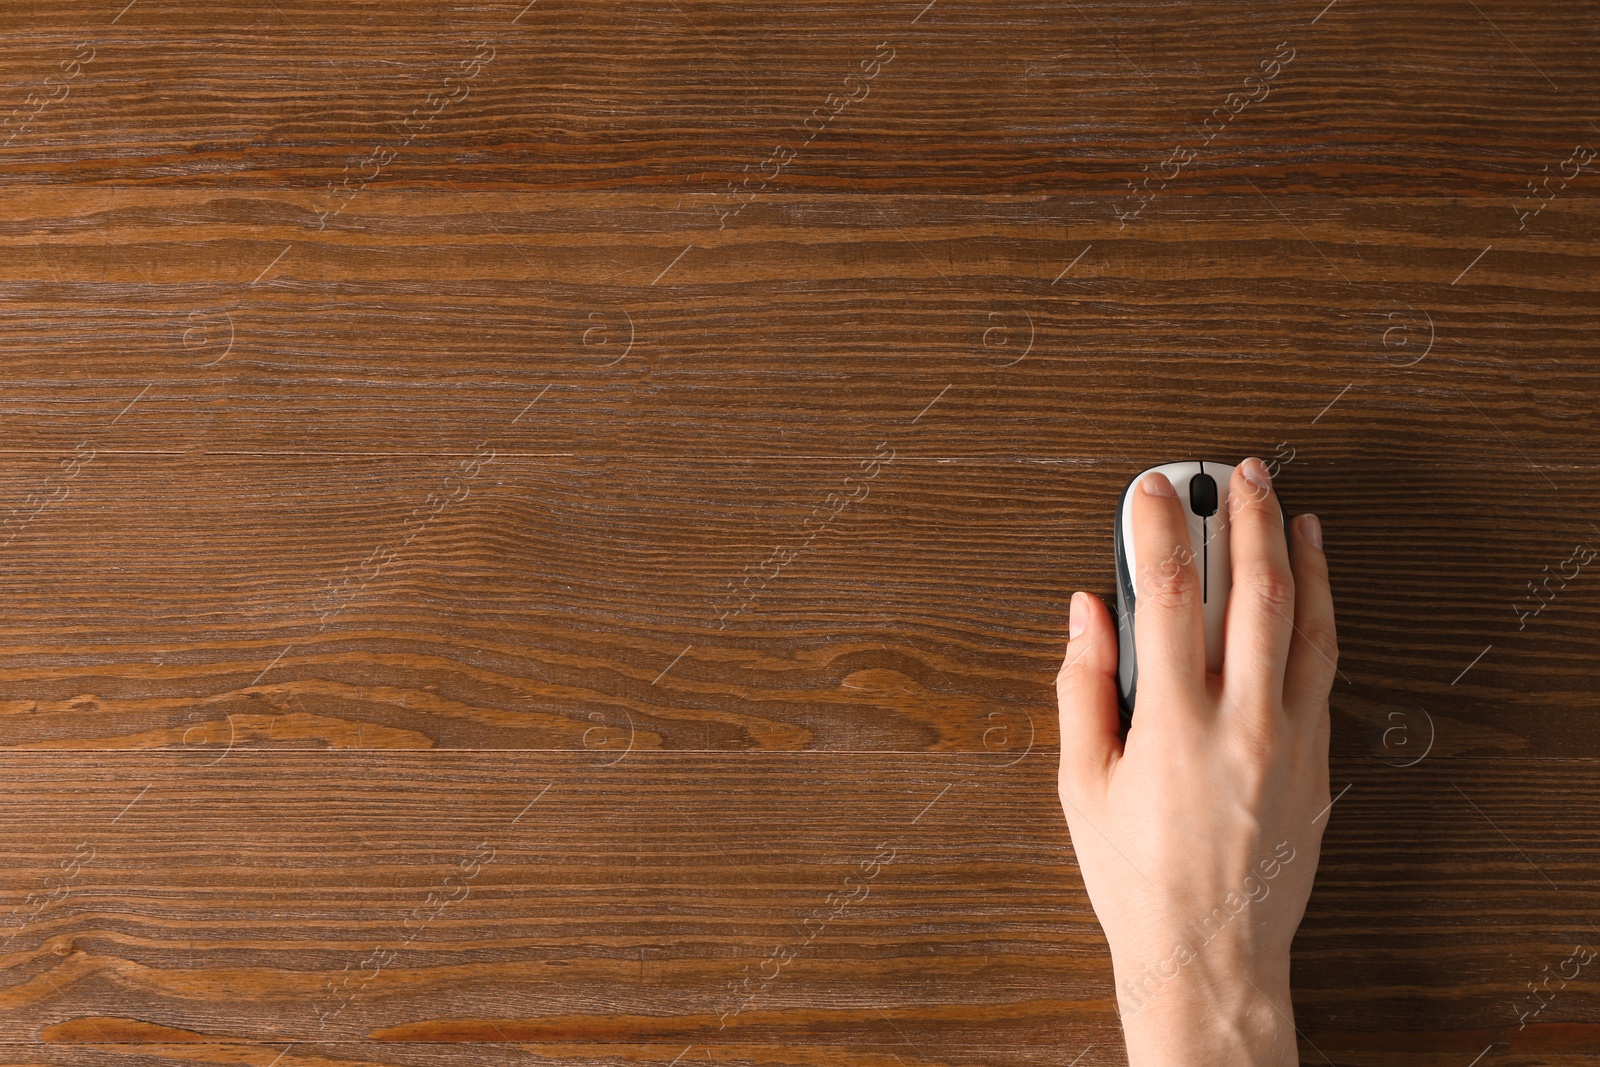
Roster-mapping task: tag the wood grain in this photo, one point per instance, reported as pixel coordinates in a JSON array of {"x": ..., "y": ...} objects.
[
  {"x": 396, "y": 468},
  {"x": 621, "y": 903},
  {"x": 1434, "y": 98}
]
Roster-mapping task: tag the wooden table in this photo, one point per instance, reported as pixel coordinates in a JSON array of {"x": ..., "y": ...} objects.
[{"x": 542, "y": 535}]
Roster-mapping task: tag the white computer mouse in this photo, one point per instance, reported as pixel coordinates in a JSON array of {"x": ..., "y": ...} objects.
[{"x": 1202, "y": 488}]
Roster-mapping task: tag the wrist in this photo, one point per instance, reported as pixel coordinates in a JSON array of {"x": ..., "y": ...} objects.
[{"x": 1193, "y": 1011}]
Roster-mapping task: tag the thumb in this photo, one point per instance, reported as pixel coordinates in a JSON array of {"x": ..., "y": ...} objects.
[{"x": 1086, "y": 691}]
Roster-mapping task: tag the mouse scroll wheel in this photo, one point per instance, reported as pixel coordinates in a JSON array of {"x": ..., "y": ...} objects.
[{"x": 1203, "y": 495}]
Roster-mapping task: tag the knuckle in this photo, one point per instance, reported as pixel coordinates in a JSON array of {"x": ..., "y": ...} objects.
[
  {"x": 1073, "y": 670},
  {"x": 1258, "y": 737},
  {"x": 1251, "y": 498},
  {"x": 1271, "y": 585},
  {"x": 1323, "y": 639},
  {"x": 1170, "y": 585}
]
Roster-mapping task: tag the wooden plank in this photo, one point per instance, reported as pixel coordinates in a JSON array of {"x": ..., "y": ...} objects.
[
  {"x": 1432, "y": 98},
  {"x": 202, "y": 603},
  {"x": 602, "y": 910},
  {"x": 818, "y": 326}
]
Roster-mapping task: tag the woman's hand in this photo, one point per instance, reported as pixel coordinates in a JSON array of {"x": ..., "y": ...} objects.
[{"x": 1198, "y": 836}]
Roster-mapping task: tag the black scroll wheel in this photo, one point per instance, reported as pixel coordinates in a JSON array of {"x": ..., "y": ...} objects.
[{"x": 1203, "y": 495}]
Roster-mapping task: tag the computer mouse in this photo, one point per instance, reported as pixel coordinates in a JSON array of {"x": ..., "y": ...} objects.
[{"x": 1202, "y": 487}]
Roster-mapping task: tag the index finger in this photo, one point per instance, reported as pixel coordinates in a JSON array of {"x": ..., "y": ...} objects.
[{"x": 1168, "y": 626}]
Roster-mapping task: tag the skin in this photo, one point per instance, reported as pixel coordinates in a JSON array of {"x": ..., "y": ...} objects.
[{"x": 1182, "y": 829}]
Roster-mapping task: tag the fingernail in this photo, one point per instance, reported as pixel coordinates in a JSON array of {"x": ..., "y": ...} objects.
[
  {"x": 1078, "y": 616},
  {"x": 1156, "y": 485},
  {"x": 1255, "y": 472},
  {"x": 1311, "y": 526}
]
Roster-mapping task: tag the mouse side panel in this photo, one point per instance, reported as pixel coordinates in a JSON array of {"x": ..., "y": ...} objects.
[{"x": 1127, "y": 667}]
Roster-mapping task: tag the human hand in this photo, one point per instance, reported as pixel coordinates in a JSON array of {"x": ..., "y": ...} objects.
[{"x": 1198, "y": 836}]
